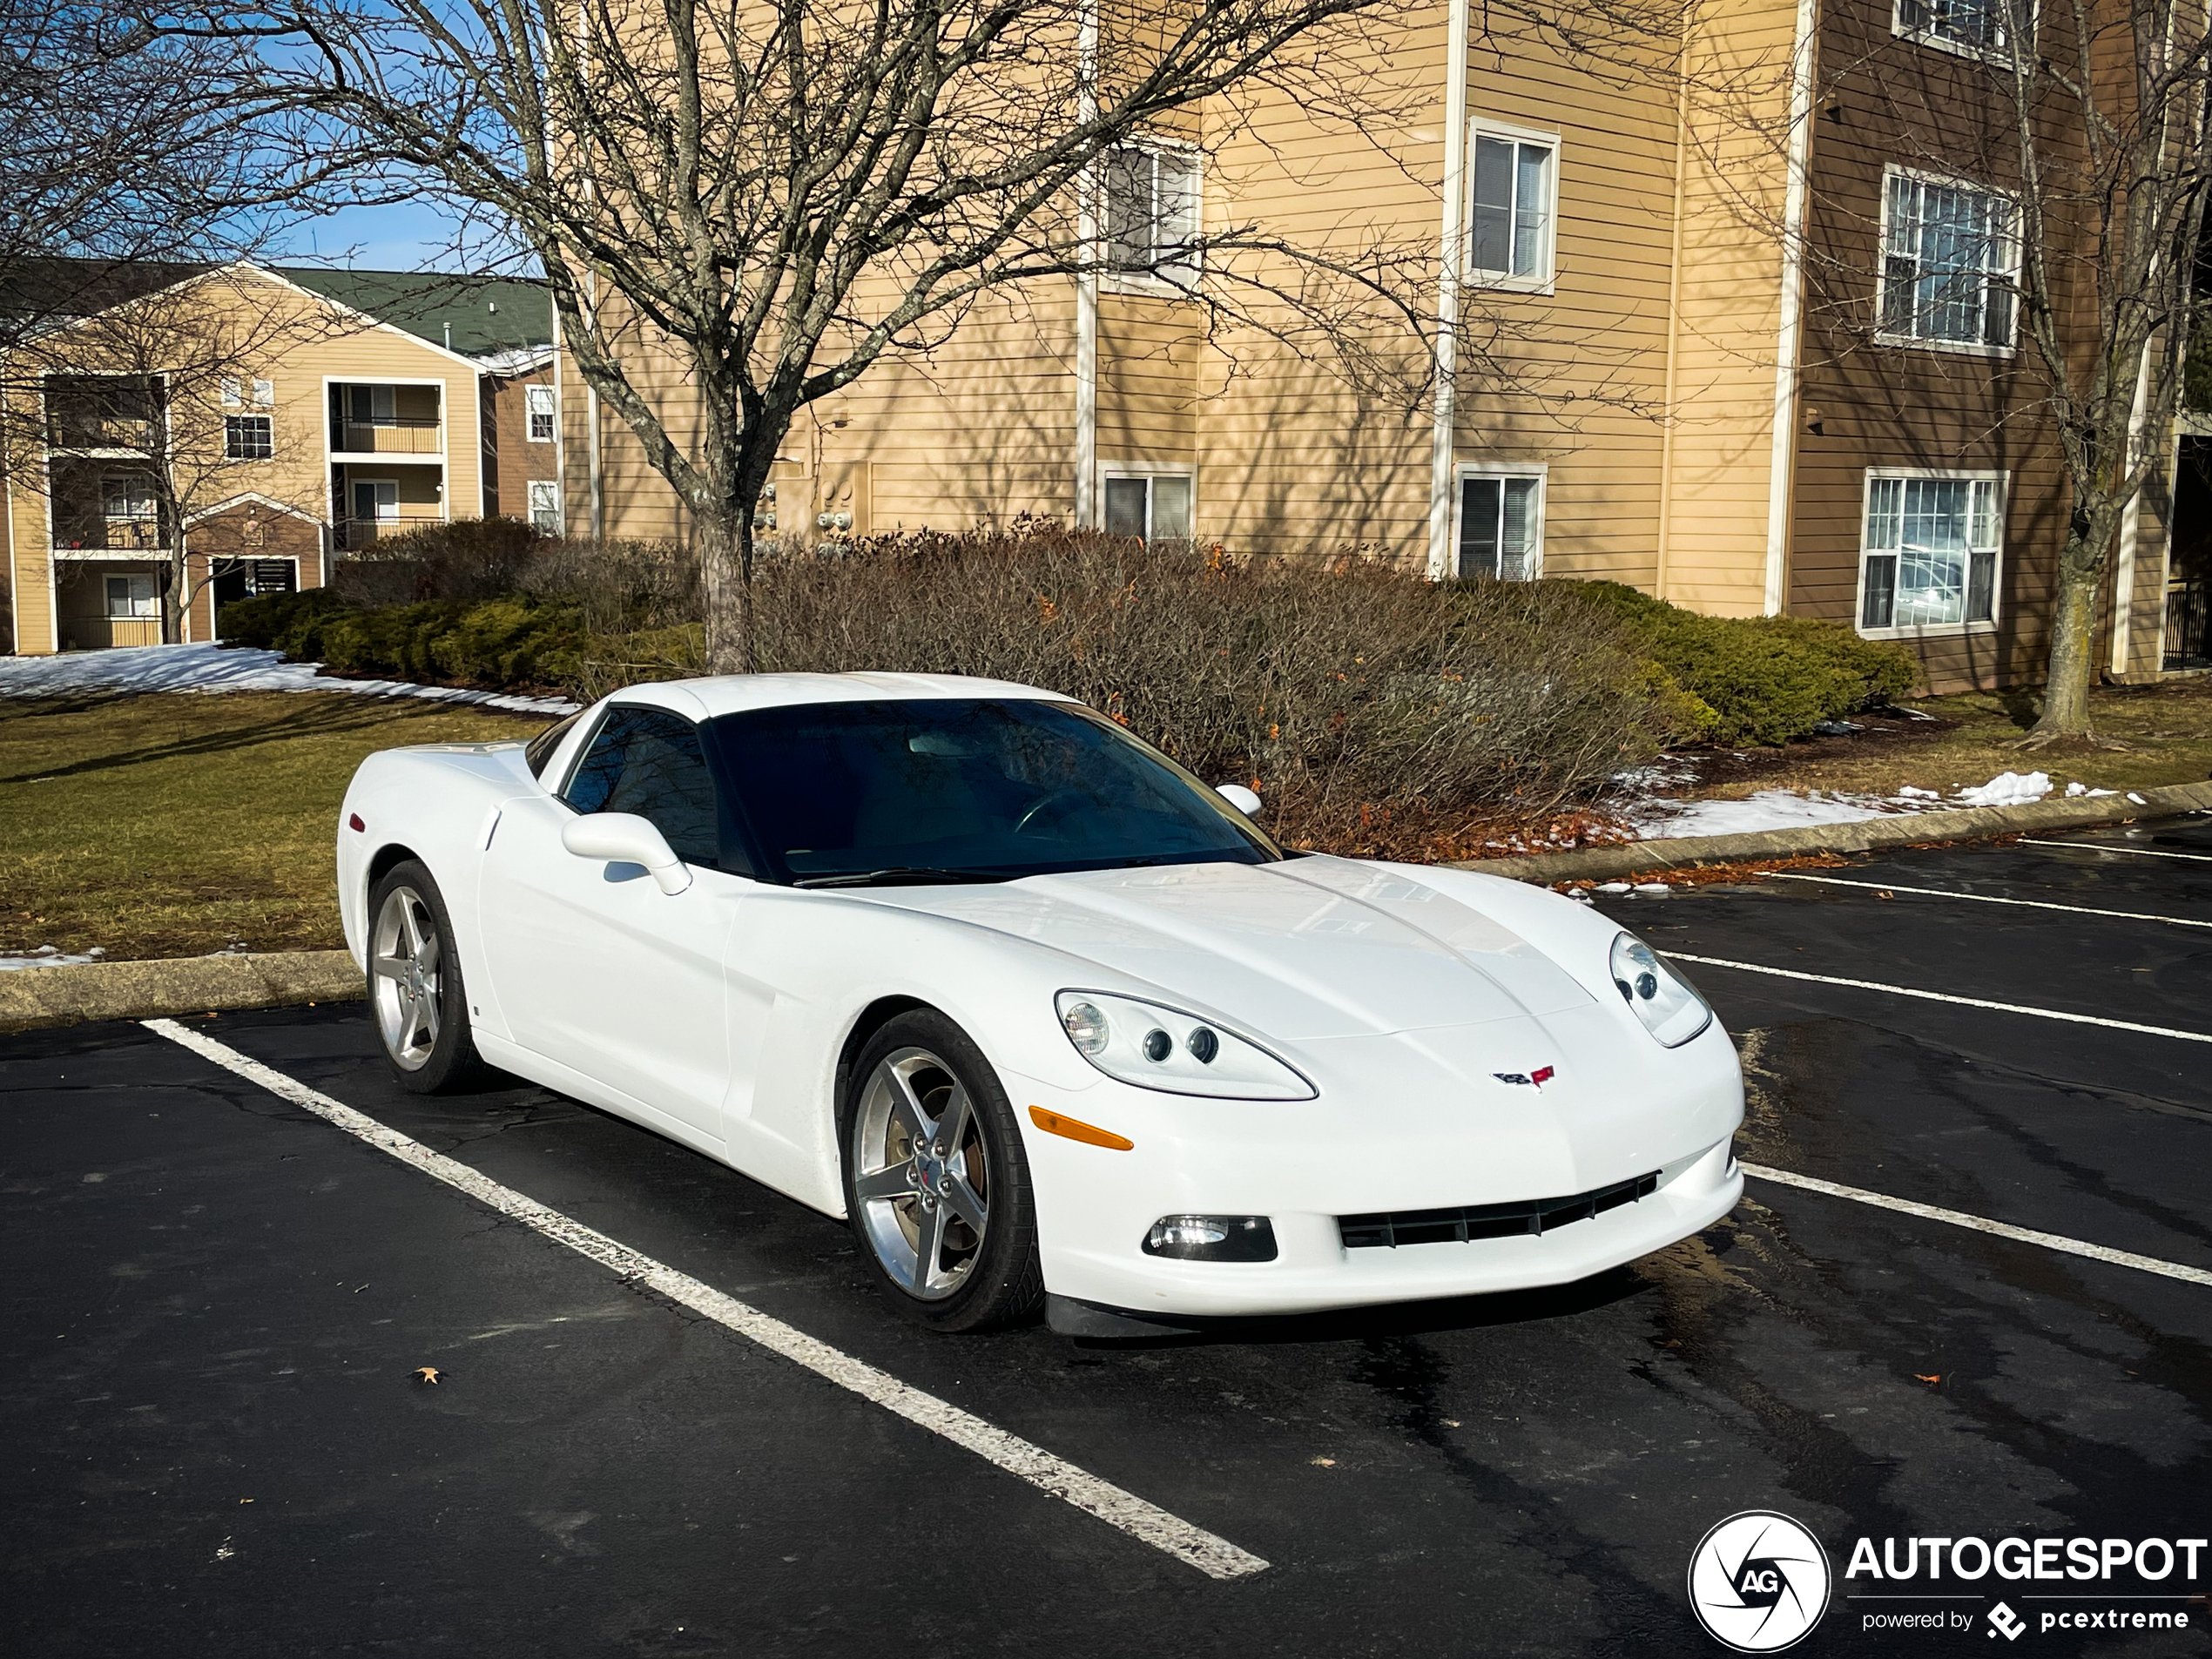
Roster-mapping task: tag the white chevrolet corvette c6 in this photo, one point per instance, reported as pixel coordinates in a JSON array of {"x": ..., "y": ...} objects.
[{"x": 1051, "y": 1022}]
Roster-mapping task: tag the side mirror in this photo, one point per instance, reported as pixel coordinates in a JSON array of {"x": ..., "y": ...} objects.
[
  {"x": 624, "y": 837},
  {"x": 1239, "y": 797}
]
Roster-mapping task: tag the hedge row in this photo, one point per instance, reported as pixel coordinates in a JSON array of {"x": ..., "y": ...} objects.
[
  {"x": 499, "y": 645},
  {"x": 1732, "y": 681}
]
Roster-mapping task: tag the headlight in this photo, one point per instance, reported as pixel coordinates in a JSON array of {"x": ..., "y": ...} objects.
[
  {"x": 1668, "y": 1004},
  {"x": 1161, "y": 1047}
]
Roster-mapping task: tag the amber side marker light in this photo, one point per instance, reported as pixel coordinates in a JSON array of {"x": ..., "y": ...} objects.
[{"x": 1075, "y": 1129}]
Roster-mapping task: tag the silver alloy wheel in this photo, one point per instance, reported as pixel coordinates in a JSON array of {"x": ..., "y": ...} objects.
[
  {"x": 404, "y": 956},
  {"x": 921, "y": 1171}
]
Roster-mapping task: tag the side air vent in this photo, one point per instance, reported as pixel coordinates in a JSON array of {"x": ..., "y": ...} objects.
[{"x": 1391, "y": 1228}]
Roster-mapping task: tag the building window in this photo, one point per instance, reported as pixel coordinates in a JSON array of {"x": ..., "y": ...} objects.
[
  {"x": 1152, "y": 211},
  {"x": 265, "y": 395},
  {"x": 233, "y": 395},
  {"x": 1501, "y": 525},
  {"x": 1976, "y": 26},
  {"x": 134, "y": 515},
  {"x": 1154, "y": 506},
  {"x": 132, "y": 596},
  {"x": 545, "y": 505},
  {"x": 1929, "y": 558},
  {"x": 542, "y": 412},
  {"x": 1516, "y": 190},
  {"x": 373, "y": 406},
  {"x": 1948, "y": 260},
  {"x": 248, "y": 437}
]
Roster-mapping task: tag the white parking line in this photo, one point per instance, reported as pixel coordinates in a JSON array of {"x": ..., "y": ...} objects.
[
  {"x": 2001, "y": 1229},
  {"x": 2107, "y": 846},
  {"x": 1983, "y": 898},
  {"x": 1215, "y": 1557},
  {"x": 1943, "y": 996}
]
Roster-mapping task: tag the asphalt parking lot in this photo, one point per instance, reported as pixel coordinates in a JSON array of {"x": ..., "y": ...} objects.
[{"x": 215, "y": 1442}]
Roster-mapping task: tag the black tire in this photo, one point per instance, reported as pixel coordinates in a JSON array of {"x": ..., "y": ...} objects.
[
  {"x": 972, "y": 1282},
  {"x": 421, "y": 1017}
]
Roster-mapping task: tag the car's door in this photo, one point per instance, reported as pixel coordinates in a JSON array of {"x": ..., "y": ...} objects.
[{"x": 594, "y": 965}]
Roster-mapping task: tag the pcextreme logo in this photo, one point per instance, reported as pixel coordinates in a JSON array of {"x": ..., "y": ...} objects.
[{"x": 1758, "y": 1582}]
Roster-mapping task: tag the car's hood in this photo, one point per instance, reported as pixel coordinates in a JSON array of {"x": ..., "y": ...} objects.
[{"x": 1309, "y": 947}]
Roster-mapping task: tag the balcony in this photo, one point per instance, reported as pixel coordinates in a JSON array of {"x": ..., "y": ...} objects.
[
  {"x": 401, "y": 436},
  {"x": 354, "y": 535},
  {"x": 111, "y": 535}
]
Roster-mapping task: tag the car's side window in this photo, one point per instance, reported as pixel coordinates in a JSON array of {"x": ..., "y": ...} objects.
[{"x": 649, "y": 762}]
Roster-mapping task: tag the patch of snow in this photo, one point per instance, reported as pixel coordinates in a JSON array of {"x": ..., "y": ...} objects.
[
  {"x": 1907, "y": 792},
  {"x": 48, "y": 956},
  {"x": 219, "y": 668},
  {"x": 2078, "y": 790},
  {"x": 1768, "y": 809},
  {"x": 2008, "y": 789},
  {"x": 1653, "y": 887},
  {"x": 1613, "y": 886}
]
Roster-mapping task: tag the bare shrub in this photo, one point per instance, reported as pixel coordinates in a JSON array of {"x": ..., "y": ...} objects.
[
  {"x": 468, "y": 559},
  {"x": 1377, "y": 712}
]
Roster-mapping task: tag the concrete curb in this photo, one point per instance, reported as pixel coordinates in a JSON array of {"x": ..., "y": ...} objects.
[
  {"x": 1899, "y": 829},
  {"x": 42, "y": 996}
]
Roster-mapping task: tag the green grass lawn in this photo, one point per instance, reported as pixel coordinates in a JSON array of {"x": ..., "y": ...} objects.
[{"x": 176, "y": 825}]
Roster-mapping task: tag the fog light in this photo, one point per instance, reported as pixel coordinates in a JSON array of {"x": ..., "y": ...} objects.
[{"x": 1212, "y": 1238}]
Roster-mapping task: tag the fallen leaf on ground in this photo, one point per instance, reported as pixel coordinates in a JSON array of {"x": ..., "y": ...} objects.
[
  {"x": 1326, "y": 1462},
  {"x": 1917, "y": 1377},
  {"x": 428, "y": 1374}
]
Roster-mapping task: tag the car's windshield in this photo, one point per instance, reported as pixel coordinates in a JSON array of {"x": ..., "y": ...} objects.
[{"x": 965, "y": 787}]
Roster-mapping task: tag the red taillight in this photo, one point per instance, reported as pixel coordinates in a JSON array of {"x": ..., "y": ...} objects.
[{"x": 355, "y": 822}]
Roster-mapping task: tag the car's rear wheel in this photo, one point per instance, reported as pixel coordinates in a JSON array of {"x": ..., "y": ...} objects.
[
  {"x": 415, "y": 989},
  {"x": 935, "y": 1181}
]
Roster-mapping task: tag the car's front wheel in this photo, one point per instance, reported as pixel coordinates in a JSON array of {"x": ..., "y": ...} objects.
[
  {"x": 415, "y": 989},
  {"x": 936, "y": 1182}
]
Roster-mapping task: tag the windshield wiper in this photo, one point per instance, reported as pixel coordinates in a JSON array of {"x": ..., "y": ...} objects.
[{"x": 897, "y": 875}]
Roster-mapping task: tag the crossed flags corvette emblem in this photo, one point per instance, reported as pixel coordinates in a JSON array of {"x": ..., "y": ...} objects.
[{"x": 1537, "y": 1078}]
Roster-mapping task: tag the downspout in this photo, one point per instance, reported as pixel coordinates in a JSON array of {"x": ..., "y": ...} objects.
[
  {"x": 1086, "y": 284},
  {"x": 1791, "y": 335},
  {"x": 2131, "y": 521},
  {"x": 1674, "y": 332},
  {"x": 594, "y": 481},
  {"x": 1451, "y": 250}
]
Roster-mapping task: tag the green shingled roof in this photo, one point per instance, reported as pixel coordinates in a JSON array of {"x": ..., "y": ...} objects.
[{"x": 476, "y": 315}]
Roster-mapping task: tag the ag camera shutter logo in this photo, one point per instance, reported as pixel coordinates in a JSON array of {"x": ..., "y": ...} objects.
[{"x": 1758, "y": 1582}]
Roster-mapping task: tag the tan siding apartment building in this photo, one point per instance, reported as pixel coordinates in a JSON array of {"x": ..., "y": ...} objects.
[
  {"x": 333, "y": 428},
  {"x": 1716, "y": 338}
]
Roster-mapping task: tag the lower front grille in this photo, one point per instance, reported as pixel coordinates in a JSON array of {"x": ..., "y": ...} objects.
[{"x": 1391, "y": 1228}]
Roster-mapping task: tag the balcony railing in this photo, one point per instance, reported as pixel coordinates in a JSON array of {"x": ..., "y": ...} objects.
[
  {"x": 122, "y": 433},
  {"x": 116, "y": 535},
  {"x": 2189, "y": 625},
  {"x": 412, "y": 436},
  {"x": 352, "y": 535}
]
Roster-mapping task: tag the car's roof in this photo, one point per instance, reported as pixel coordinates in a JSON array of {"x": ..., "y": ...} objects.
[{"x": 703, "y": 699}]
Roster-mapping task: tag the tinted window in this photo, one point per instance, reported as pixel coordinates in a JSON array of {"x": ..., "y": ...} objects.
[
  {"x": 649, "y": 762},
  {"x": 1005, "y": 788},
  {"x": 538, "y": 752}
]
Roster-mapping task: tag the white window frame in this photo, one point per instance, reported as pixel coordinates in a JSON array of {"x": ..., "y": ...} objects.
[
  {"x": 2003, "y": 480},
  {"x": 268, "y": 425},
  {"x": 1998, "y": 50},
  {"x": 153, "y": 601},
  {"x": 545, "y": 489},
  {"x": 1149, "y": 470},
  {"x": 540, "y": 401},
  {"x": 1153, "y": 282},
  {"x": 2009, "y": 271},
  {"x": 233, "y": 393},
  {"x": 1546, "y": 275},
  {"x": 353, "y": 493},
  {"x": 1539, "y": 470}
]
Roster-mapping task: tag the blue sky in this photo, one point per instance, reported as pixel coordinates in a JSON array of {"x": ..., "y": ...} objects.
[{"x": 417, "y": 235}]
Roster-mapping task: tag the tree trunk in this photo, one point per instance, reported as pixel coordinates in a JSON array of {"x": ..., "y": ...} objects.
[
  {"x": 174, "y": 597},
  {"x": 2074, "y": 636},
  {"x": 725, "y": 556}
]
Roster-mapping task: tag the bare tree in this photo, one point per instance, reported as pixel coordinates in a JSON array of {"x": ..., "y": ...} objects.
[
  {"x": 763, "y": 202},
  {"x": 2110, "y": 124}
]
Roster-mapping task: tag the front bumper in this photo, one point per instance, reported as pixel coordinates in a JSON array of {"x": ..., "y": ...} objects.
[{"x": 1411, "y": 1144}]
